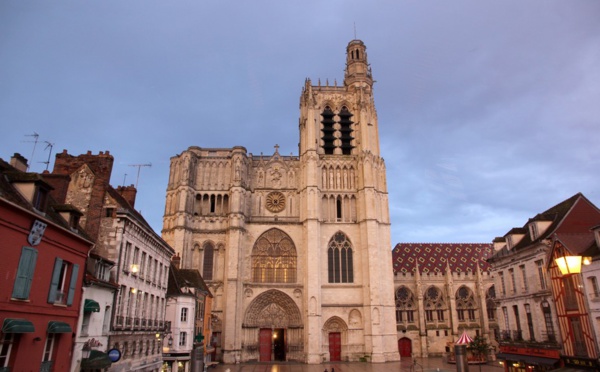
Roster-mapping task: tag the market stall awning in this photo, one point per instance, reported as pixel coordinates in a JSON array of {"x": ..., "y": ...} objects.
[
  {"x": 538, "y": 361},
  {"x": 97, "y": 360},
  {"x": 91, "y": 306},
  {"x": 17, "y": 326},
  {"x": 58, "y": 327}
]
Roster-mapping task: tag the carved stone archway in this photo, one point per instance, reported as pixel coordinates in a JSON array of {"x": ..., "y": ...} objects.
[{"x": 273, "y": 309}]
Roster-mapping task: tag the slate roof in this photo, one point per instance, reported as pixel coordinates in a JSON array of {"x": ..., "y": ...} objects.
[
  {"x": 9, "y": 174},
  {"x": 179, "y": 278},
  {"x": 576, "y": 215},
  {"x": 435, "y": 257}
]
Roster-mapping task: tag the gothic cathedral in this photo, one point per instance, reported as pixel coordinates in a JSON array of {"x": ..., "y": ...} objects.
[{"x": 295, "y": 249}]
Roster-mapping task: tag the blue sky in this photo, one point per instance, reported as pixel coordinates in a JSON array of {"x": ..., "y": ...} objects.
[{"x": 488, "y": 111}]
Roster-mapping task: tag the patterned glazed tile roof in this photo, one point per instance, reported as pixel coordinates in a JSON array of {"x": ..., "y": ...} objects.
[{"x": 433, "y": 257}]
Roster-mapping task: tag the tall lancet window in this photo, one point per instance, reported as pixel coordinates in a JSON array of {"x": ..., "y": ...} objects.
[
  {"x": 346, "y": 130},
  {"x": 207, "y": 264},
  {"x": 337, "y": 135},
  {"x": 328, "y": 130},
  {"x": 339, "y": 259}
]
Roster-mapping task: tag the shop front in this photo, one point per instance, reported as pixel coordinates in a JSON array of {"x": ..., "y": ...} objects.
[{"x": 528, "y": 359}]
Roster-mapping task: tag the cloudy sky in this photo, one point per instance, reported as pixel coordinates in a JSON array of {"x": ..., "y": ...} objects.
[{"x": 489, "y": 111}]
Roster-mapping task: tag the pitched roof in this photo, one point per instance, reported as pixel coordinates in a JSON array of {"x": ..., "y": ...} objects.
[
  {"x": 180, "y": 278},
  {"x": 435, "y": 257},
  {"x": 574, "y": 215},
  {"x": 9, "y": 174}
]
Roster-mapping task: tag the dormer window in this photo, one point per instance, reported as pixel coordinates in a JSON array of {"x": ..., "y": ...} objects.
[
  {"x": 40, "y": 198},
  {"x": 533, "y": 231}
]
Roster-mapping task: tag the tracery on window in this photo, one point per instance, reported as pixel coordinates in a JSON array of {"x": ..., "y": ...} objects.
[
  {"x": 405, "y": 305},
  {"x": 465, "y": 304},
  {"x": 340, "y": 259},
  {"x": 434, "y": 304},
  {"x": 490, "y": 303},
  {"x": 274, "y": 258}
]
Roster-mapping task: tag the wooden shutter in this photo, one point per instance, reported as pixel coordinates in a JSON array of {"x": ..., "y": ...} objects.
[
  {"x": 55, "y": 279},
  {"x": 72, "y": 284},
  {"x": 25, "y": 271}
]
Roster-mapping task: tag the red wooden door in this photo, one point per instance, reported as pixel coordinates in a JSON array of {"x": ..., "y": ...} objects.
[
  {"x": 405, "y": 347},
  {"x": 265, "y": 345},
  {"x": 335, "y": 347}
]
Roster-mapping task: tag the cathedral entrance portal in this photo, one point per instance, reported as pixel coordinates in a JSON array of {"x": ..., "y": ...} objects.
[
  {"x": 272, "y": 345},
  {"x": 273, "y": 329}
]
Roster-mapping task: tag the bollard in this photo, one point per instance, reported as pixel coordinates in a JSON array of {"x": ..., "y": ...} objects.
[{"x": 460, "y": 352}]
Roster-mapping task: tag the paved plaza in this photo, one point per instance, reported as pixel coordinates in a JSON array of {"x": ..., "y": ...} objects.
[{"x": 406, "y": 365}]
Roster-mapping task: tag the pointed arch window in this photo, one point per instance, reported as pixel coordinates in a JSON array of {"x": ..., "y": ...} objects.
[
  {"x": 465, "y": 304},
  {"x": 207, "y": 264},
  {"x": 340, "y": 259},
  {"x": 435, "y": 307},
  {"x": 405, "y": 305},
  {"x": 490, "y": 303},
  {"x": 274, "y": 258}
]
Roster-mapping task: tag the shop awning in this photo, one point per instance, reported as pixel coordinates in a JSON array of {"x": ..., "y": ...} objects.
[
  {"x": 97, "y": 360},
  {"x": 538, "y": 361},
  {"x": 58, "y": 327},
  {"x": 91, "y": 306},
  {"x": 17, "y": 326}
]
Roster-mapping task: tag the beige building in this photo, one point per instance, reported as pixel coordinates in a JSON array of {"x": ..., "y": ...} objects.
[
  {"x": 295, "y": 249},
  {"x": 441, "y": 291}
]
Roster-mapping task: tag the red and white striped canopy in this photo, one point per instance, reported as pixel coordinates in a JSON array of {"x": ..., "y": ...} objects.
[{"x": 464, "y": 339}]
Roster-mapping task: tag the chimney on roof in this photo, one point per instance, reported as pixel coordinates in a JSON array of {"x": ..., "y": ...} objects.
[
  {"x": 128, "y": 193},
  {"x": 19, "y": 162},
  {"x": 176, "y": 260}
]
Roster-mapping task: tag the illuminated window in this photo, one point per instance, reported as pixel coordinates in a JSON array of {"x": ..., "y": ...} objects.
[{"x": 274, "y": 258}]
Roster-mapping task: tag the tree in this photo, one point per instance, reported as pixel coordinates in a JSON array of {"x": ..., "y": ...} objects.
[{"x": 479, "y": 348}]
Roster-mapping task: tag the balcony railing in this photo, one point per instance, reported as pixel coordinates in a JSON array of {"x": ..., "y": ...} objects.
[{"x": 509, "y": 335}]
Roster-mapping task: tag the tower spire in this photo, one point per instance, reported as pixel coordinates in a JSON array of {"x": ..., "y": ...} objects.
[{"x": 357, "y": 66}]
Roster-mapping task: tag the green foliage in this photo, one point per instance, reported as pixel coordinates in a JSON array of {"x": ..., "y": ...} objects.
[{"x": 479, "y": 347}]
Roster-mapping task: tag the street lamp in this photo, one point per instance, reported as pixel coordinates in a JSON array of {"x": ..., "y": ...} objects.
[{"x": 569, "y": 265}]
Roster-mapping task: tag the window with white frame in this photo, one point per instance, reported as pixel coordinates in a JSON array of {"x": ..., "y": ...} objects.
[
  {"x": 63, "y": 283},
  {"x": 49, "y": 347},
  {"x": 6, "y": 342},
  {"x": 182, "y": 338},
  {"x": 541, "y": 273},
  {"x": 524, "y": 277},
  {"x": 184, "y": 314}
]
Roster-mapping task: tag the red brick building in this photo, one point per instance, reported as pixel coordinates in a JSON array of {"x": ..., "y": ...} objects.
[{"x": 42, "y": 266}]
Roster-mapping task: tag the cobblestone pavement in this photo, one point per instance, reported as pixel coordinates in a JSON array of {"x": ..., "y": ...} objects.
[{"x": 406, "y": 365}]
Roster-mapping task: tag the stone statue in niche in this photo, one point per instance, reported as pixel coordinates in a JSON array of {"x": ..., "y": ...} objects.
[
  {"x": 275, "y": 177},
  {"x": 261, "y": 179}
]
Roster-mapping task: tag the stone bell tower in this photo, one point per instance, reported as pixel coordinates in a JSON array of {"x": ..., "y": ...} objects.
[{"x": 344, "y": 183}]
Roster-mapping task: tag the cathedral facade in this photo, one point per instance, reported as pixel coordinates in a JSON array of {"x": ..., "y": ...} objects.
[{"x": 295, "y": 249}]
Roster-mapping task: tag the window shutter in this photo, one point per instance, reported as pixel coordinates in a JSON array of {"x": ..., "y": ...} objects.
[
  {"x": 55, "y": 279},
  {"x": 72, "y": 284},
  {"x": 25, "y": 273}
]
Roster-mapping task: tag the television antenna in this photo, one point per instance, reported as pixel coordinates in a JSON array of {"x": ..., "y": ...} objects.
[
  {"x": 35, "y": 142},
  {"x": 139, "y": 167},
  {"x": 48, "y": 146}
]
